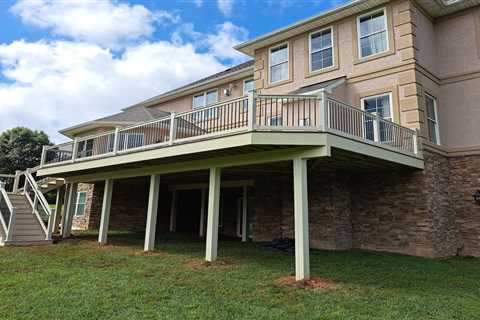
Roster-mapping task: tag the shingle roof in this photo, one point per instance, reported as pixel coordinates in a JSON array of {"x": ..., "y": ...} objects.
[{"x": 135, "y": 114}]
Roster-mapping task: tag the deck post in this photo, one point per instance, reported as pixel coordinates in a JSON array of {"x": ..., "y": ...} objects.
[
  {"x": 376, "y": 127},
  {"x": 302, "y": 247},
  {"x": 75, "y": 149},
  {"x": 323, "y": 112},
  {"x": 244, "y": 213},
  {"x": 58, "y": 208},
  {"x": 173, "y": 212},
  {"x": 152, "y": 212},
  {"x": 106, "y": 206},
  {"x": 116, "y": 140},
  {"x": 16, "y": 182},
  {"x": 68, "y": 219},
  {"x": 213, "y": 212},
  {"x": 202, "y": 213},
  {"x": 173, "y": 129},
  {"x": 252, "y": 117}
]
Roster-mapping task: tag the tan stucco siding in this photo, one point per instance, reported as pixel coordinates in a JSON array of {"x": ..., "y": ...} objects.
[{"x": 184, "y": 103}]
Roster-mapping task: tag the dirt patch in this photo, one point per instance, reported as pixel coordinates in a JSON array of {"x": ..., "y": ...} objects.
[
  {"x": 199, "y": 263},
  {"x": 313, "y": 283},
  {"x": 150, "y": 254}
]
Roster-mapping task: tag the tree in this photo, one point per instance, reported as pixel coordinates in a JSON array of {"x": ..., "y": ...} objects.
[{"x": 21, "y": 148}]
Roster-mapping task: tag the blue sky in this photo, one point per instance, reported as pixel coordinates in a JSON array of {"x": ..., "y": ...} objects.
[{"x": 65, "y": 62}]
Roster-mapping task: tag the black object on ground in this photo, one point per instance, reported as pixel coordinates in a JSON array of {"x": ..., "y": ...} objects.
[{"x": 282, "y": 244}]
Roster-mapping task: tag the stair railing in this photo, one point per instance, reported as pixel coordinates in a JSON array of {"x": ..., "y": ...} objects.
[
  {"x": 7, "y": 213},
  {"x": 39, "y": 204}
]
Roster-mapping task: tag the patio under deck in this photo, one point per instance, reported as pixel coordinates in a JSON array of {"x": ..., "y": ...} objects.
[{"x": 336, "y": 135}]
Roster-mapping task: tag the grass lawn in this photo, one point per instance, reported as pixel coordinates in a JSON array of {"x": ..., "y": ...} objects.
[{"x": 77, "y": 279}]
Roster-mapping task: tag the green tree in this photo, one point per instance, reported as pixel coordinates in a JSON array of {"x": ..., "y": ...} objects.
[{"x": 21, "y": 148}]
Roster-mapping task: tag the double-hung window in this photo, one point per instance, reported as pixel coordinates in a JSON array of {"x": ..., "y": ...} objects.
[
  {"x": 205, "y": 99},
  {"x": 382, "y": 106},
  {"x": 372, "y": 33},
  {"x": 432, "y": 119},
  {"x": 321, "y": 50},
  {"x": 81, "y": 203},
  {"x": 278, "y": 62},
  {"x": 248, "y": 86}
]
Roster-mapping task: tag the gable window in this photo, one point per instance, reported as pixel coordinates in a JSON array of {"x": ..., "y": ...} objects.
[
  {"x": 382, "y": 106},
  {"x": 372, "y": 33},
  {"x": 278, "y": 62},
  {"x": 321, "y": 50},
  {"x": 248, "y": 86},
  {"x": 432, "y": 119},
  {"x": 80, "y": 205}
]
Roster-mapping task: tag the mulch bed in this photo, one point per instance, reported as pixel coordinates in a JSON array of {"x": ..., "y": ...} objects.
[
  {"x": 199, "y": 263},
  {"x": 313, "y": 282}
]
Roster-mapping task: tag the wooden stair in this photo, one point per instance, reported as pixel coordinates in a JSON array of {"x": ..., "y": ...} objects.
[{"x": 27, "y": 229}]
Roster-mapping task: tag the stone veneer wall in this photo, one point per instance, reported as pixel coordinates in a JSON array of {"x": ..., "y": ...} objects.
[
  {"x": 464, "y": 182},
  {"x": 427, "y": 212}
]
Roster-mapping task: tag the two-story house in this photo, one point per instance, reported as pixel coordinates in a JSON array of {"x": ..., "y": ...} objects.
[{"x": 356, "y": 128}]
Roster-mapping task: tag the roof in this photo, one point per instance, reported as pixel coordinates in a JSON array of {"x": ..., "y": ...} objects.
[
  {"x": 435, "y": 8},
  {"x": 240, "y": 70},
  {"x": 328, "y": 85},
  {"x": 126, "y": 117}
]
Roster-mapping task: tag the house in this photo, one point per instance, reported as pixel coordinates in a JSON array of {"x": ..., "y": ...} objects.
[{"x": 353, "y": 129}]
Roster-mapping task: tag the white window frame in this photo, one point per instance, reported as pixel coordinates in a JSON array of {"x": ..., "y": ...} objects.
[
  {"x": 359, "y": 46},
  {"x": 305, "y": 122},
  {"x": 437, "y": 127},
  {"x": 270, "y": 63},
  {"x": 77, "y": 203},
  {"x": 244, "y": 82},
  {"x": 390, "y": 98},
  {"x": 310, "y": 49},
  {"x": 204, "y": 98}
]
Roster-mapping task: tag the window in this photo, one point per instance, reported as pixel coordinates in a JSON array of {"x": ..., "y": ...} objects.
[
  {"x": 81, "y": 203},
  {"x": 381, "y": 105},
  {"x": 278, "y": 63},
  {"x": 85, "y": 148},
  {"x": 248, "y": 86},
  {"x": 321, "y": 50},
  {"x": 432, "y": 119},
  {"x": 305, "y": 122},
  {"x": 275, "y": 121},
  {"x": 372, "y": 33},
  {"x": 130, "y": 140},
  {"x": 203, "y": 100}
]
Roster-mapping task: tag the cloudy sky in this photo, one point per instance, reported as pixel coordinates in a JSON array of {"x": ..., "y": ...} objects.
[{"x": 65, "y": 62}]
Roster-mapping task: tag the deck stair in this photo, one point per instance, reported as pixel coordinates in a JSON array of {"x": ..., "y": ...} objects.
[
  {"x": 25, "y": 217},
  {"x": 50, "y": 183}
]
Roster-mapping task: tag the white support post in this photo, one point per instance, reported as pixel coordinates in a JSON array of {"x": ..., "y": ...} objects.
[
  {"x": 58, "y": 209},
  {"x": 173, "y": 128},
  {"x": 44, "y": 154},
  {"x": 50, "y": 226},
  {"x": 415, "y": 142},
  {"x": 16, "y": 182},
  {"x": 302, "y": 246},
  {"x": 252, "y": 116},
  {"x": 323, "y": 112},
  {"x": 152, "y": 212},
  {"x": 244, "y": 213},
  {"x": 68, "y": 219},
  {"x": 116, "y": 140},
  {"x": 202, "y": 213},
  {"x": 173, "y": 212},
  {"x": 75, "y": 149},
  {"x": 65, "y": 207},
  {"x": 376, "y": 127},
  {"x": 213, "y": 212},
  {"x": 106, "y": 206}
]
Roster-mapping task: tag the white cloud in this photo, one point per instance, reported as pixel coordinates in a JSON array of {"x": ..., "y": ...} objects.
[
  {"x": 106, "y": 23},
  {"x": 198, "y": 3},
  {"x": 53, "y": 85},
  {"x": 220, "y": 44},
  {"x": 225, "y": 6}
]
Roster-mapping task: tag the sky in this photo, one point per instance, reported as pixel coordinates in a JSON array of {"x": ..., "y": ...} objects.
[{"x": 66, "y": 62}]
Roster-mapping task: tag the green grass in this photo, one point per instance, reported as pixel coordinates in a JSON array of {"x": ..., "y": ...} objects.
[{"x": 77, "y": 279}]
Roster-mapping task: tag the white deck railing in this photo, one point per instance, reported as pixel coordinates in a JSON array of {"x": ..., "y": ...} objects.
[{"x": 250, "y": 113}]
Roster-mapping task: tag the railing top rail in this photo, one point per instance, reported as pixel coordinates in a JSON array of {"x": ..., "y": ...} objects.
[
  {"x": 167, "y": 118},
  {"x": 3, "y": 175},
  {"x": 4, "y": 194},
  {"x": 59, "y": 145},
  {"x": 370, "y": 114},
  {"x": 211, "y": 106},
  {"x": 38, "y": 193},
  {"x": 289, "y": 96}
]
